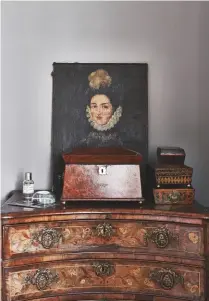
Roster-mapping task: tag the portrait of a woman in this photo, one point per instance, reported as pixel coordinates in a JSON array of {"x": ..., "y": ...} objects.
[
  {"x": 103, "y": 111},
  {"x": 99, "y": 105}
]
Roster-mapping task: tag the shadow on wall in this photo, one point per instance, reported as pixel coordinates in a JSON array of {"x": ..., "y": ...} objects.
[
  {"x": 19, "y": 180},
  {"x": 18, "y": 185}
]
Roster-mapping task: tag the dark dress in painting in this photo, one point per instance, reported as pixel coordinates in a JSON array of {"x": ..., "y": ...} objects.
[{"x": 106, "y": 139}]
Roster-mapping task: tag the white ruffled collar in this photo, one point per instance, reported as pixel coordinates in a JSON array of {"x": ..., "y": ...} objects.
[{"x": 110, "y": 124}]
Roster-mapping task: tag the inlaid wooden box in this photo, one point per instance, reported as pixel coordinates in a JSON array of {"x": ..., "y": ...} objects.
[
  {"x": 174, "y": 195},
  {"x": 102, "y": 174},
  {"x": 173, "y": 174}
]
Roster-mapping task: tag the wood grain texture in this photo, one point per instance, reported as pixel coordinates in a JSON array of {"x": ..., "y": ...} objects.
[
  {"x": 106, "y": 252},
  {"x": 115, "y": 276},
  {"x": 102, "y": 155},
  {"x": 85, "y": 182},
  {"x": 164, "y": 299},
  {"x": 194, "y": 214},
  {"x": 60, "y": 237},
  {"x": 100, "y": 297}
]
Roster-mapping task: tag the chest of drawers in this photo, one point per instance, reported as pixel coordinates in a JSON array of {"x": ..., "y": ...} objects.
[{"x": 105, "y": 251}]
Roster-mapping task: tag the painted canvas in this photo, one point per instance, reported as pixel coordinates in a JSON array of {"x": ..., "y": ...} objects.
[{"x": 98, "y": 105}]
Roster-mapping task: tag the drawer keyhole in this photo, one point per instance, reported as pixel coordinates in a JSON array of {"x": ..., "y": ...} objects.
[{"x": 103, "y": 170}]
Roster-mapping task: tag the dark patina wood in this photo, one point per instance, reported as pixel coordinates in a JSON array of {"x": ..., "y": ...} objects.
[
  {"x": 170, "y": 155},
  {"x": 101, "y": 297},
  {"x": 110, "y": 155},
  {"x": 105, "y": 251}
]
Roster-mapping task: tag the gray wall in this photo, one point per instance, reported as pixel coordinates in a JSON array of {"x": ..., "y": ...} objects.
[
  {"x": 166, "y": 35},
  {"x": 202, "y": 170}
]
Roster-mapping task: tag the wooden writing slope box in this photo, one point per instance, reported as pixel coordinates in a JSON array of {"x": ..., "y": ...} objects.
[{"x": 102, "y": 174}]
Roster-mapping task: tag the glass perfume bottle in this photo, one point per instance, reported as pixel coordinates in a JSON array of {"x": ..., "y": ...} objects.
[{"x": 28, "y": 186}]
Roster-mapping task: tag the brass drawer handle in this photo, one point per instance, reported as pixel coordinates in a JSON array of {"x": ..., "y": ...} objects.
[
  {"x": 160, "y": 236},
  {"x": 104, "y": 268},
  {"x": 104, "y": 230},
  {"x": 42, "y": 278},
  {"x": 47, "y": 237},
  {"x": 166, "y": 278}
]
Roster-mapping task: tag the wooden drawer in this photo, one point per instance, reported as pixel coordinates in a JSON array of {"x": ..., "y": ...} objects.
[
  {"x": 101, "y": 275},
  {"x": 63, "y": 237}
]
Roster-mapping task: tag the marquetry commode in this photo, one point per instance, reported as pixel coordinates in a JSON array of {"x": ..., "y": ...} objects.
[{"x": 105, "y": 251}]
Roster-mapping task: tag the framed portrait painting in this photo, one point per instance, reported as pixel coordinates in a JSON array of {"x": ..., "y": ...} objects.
[{"x": 98, "y": 105}]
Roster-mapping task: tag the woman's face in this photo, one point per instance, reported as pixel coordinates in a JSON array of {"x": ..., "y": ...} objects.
[{"x": 101, "y": 109}]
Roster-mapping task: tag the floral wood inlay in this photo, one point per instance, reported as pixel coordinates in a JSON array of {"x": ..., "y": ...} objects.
[
  {"x": 66, "y": 277},
  {"x": 169, "y": 196},
  {"x": 193, "y": 288},
  {"x": 64, "y": 236},
  {"x": 193, "y": 237},
  {"x": 174, "y": 196}
]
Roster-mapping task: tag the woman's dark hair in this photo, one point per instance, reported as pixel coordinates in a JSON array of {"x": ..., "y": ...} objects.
[{"x": 115, "y": 94}]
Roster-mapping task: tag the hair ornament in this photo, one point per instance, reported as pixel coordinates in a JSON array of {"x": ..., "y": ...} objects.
[{"x": 99, "y": 79}]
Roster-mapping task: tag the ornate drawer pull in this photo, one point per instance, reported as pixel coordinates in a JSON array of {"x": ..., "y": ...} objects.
[
  {"x": 104, "y": 230},
  {"x": 47, "y": 237},
  {"x": 103, "y": 268},
  {"x": 166, "y": 278},
  {"x": 160, "y": 236},
  {"x": 42, "y": 278}
]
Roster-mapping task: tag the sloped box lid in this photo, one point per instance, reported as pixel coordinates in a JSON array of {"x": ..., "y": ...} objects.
[{"x": 102, "y": 155}]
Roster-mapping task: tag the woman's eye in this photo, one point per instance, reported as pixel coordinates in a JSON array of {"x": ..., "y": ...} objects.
[
  {"x": 105, "y": 107},
  {"x": 93, "y": 107}
]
